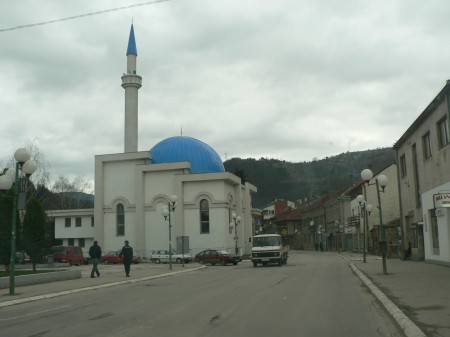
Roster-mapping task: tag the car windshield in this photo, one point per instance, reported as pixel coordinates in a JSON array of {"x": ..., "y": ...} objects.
[
  {"x": 266, "y": 241},
  {"x": 60, "y": 249}
]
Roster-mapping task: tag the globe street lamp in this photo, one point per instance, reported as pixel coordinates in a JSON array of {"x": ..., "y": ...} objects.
[
  {"x": 364, "y": 210},
  {"x": 236, "y": 221},
  {"x": 23, "y": 170},
  {"x": 380, "y": 182},
  {"x": 165, "y": 211}
]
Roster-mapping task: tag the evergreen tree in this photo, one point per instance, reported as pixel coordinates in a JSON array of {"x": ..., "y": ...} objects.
[
  {"x": 34, "y": 242},
  {"x": 6, "y": 206}
]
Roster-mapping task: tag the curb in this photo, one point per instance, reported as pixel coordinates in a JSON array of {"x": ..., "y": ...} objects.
[
  {"x": 408, "y": 327},
  {"x": 105, "y": 285}
]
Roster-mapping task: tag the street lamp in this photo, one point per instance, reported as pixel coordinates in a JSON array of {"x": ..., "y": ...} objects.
[
  {"x": 364, "y": 210},
  {"x": 236, "y": 221},
  {"x": 23, "y": 170},
  {"x": 165, "y": 211},
  {"x": 380, "y": 181}
]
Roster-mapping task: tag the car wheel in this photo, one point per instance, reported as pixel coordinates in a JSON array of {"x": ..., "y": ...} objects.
[
  {"x": 234, "y": 263},
  {"x": 179, "y": 261},
  {"x": 213, "y": 263},
  {"x": 255, "y": 264},
  {"x": 157, "y": 261}
]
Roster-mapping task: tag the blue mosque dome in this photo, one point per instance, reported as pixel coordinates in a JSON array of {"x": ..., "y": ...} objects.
[{"x": 202, "y": 157}]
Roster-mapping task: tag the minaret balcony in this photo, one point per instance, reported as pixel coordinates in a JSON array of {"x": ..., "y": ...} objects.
[{"x": 131, "y": 80}]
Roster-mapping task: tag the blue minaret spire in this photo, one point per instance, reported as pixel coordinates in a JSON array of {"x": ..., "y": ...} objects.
[
  {"x": 131, "y": 43},
  {"x": 131, "y": 82}
]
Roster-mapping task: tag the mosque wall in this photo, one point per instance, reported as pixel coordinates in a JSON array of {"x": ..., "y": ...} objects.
[
  {"x": 119, "y": 180},
  {"x": 218, "y": 236},
  {"x": 158, "y": 184},
  {"x": 157, "y": 232},
  {"x": 111, "y": 240}
]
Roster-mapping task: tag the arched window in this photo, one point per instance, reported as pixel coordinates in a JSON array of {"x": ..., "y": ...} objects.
[
  {"x": 120, "y": 220},
  {"x": 204, "y": 216}
]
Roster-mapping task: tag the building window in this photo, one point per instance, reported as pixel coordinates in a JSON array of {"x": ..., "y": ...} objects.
[
  {"x": 81, "y": 242},
  {"x": 71, "y": 242},
  {"x": 403, "y": 166},
  {"x": 426, "y": 143},
  {"x": 120, "y": 220},
  {"x": 77, "y": 222},
  {"x": 204, "y": 216},
  {"x": 92, "y": 221},
  {"x": 442, "y": 127},
  {"x": 68, "y": 222}
]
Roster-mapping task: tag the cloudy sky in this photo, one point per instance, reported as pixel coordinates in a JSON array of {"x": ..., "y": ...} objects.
[{"x": 291, "y": 79}]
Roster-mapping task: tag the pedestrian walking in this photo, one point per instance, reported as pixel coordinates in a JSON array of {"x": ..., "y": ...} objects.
[
  {"x": 127, "y": 253},
  {"x": 95, "y": 252}
]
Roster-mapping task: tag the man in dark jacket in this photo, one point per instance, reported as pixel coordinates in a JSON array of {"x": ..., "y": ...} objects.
[
  {"x": 127, "y": 253},
  {"x": 95, "y": 252}
]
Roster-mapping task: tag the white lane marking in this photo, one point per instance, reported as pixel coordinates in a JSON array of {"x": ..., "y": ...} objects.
[{"x": 33, "y": 313}]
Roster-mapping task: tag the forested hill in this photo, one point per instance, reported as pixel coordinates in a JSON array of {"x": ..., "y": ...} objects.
[{"x": 281, "y": 179}]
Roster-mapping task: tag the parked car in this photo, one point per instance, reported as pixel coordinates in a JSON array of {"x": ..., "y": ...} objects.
[
  {"x": 162, "y": 256},
  {"x": 113, "y": 257},
  {"x": 22, "y": 258},
  {"x": 69, "y": 254},
  {"x": 217, "y": 257}
]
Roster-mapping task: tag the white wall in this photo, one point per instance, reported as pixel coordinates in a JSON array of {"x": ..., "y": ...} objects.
[{"x": 443, "y": 226}]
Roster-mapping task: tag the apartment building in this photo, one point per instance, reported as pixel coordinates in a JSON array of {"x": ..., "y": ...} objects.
[{"x": 423, "y": 157}]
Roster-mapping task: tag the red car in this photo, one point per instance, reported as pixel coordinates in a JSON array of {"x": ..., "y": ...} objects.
[
  {"x": 217, "y": 257},
  {"x": 113, "y": 257}
]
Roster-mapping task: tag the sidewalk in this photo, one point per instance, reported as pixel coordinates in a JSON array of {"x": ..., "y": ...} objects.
[
  {"x": 110, "y": 275},
  {"x": 420, "y": 290}
]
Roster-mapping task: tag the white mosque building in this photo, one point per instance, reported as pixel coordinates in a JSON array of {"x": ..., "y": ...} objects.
[{"x": 133, "y": 187}]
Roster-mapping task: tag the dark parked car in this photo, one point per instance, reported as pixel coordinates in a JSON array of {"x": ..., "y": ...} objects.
[
  {"x": 113, "y": 257},
  {"x": 217, "y": 257}
]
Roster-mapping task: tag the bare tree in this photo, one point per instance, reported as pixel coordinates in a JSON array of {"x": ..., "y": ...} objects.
[
  {"x": 71, "y": 194},
  {"x": 41, "y": 177}
]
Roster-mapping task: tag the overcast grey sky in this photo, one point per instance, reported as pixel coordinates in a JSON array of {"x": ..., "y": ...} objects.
[{"x": 284, "y": 79}]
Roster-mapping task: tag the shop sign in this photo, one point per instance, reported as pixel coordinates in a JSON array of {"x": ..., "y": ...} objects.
[{"x": 441, "y": 200}]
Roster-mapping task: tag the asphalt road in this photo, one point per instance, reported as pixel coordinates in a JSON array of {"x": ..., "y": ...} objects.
[{"x": 315, "y": 294}]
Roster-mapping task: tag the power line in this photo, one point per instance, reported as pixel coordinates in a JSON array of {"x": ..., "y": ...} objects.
[{"x": 83, "y": 15}]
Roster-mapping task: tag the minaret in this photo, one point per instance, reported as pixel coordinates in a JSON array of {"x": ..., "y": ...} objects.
[{"x": 131, "y": 83}]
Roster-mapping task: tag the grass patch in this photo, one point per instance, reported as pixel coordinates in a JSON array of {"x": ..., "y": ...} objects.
[{"x": 25, "y": 272}]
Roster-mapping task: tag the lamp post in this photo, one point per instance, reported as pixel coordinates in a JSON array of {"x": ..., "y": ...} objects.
[
  {"x": 364, "y": 210},
  {"x": 24, "y": 168},
  {"x": 236, "y": 222},
  {"x": 380, "y": 181},
  {"x": 165, "y": 211}
]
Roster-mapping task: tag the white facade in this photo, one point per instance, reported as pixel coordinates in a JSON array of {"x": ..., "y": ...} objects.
[
  {"x": 436, "y": 229},
  {"x": 144, "y": 189},
  {"x": 74, "y": 227}
]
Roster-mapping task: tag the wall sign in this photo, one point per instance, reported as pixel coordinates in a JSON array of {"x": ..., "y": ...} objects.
[{"x": 441, "y": 200}]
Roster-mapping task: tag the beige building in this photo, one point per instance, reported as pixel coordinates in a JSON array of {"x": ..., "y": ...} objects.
[
  {"x": 423, "y": 158},
  {"x": 390, "y": 214}
]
